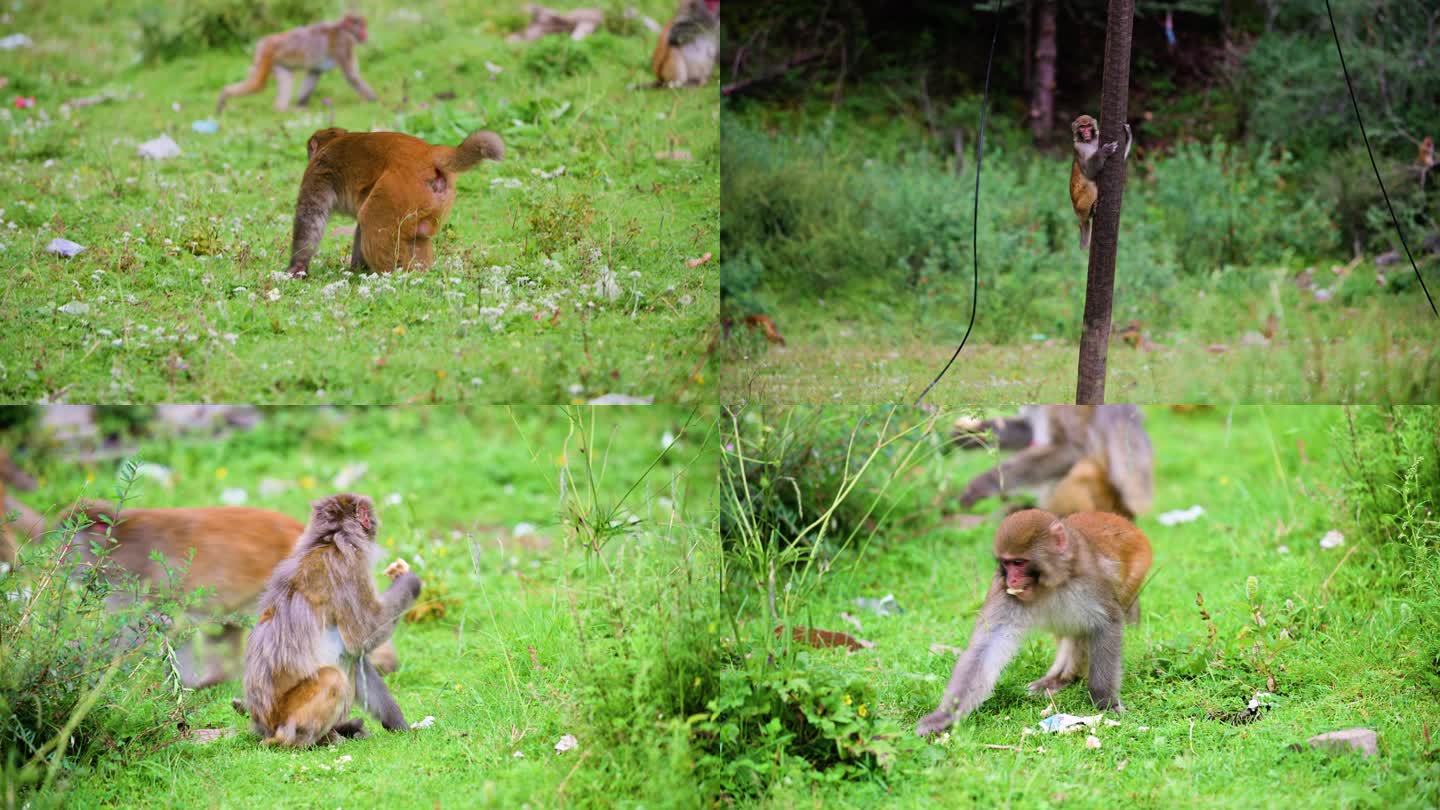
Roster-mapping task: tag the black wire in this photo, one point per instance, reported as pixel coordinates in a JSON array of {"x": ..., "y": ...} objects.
[
  {"x": 975, "y": 217},
  {"x": 1336, "y": 33}
]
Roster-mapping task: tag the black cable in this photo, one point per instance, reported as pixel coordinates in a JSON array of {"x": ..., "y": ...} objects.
[
  {"x": 1336, "y": 33},
  {"x": 975, "y": 217}
]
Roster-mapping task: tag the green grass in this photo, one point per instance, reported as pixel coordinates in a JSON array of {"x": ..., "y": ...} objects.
[
  {"x": 1344, "y": 636},
  {"x": 533, "y": 627},
  {"x": 853, "y": 232},
  {"x": 180, "y": 280}
]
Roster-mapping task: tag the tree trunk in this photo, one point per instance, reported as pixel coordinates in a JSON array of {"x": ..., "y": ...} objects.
[
  {"x": 1100, "y": 283},
  {"x": 1042, "y": 96}
]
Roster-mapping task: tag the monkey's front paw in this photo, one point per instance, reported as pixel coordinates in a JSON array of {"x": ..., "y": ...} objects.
[
  {"x": 1111, "y": 147},
  {"x": 298, "y": 272},
  {"x": 933, "y": 723},
  {"x": 395, "y": 569}
]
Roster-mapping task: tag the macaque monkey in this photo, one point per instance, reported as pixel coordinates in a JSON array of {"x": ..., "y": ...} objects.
[
  {"x": 1080, "y": 458},
  {"x": 578, "y": 24},
  {"x": 312, "y": 48},
  {"x": 689, "y": 45},
  {"x": 1090, "y": 158},
  {"x": 1426, "y": 159},
  {"x": 398, "y": 187},
  {"x": 319, "y": 618},
  {"x": 1078, "y": 577},
  {"x": 235, "y": 549}
]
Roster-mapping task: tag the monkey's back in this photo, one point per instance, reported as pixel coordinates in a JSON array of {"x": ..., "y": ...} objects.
[
  {"x": 235, "y": 547},
  {"x": 1117, "y": 539}
]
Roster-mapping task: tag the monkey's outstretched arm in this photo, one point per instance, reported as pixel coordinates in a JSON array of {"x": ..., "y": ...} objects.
[
  {"x": 996, "y": 639},
  {"x": 1028, "y": 468}
]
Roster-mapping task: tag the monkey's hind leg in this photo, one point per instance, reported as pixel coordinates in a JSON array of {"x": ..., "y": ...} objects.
[
  {"x": 1106, "y": 658},
  {"x": 375, "y": 698},
  {"x": 1069, "y": 663},
  {"x": 357, "y": 258},
  {"x": 311, "y": 709},
  {"x": 312, "y": 211},
  {"x": 1085, "y": 233}
]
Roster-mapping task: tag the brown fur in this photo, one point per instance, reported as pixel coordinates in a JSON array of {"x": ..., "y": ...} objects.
[
  {"x": 1082, "y": 458},
  {"x": 688, "y": 45},
  {"x": 311, "y": 48},
  {"x": 1084, "y": 193},
  {"x": 398, "y": 187},
  {"x": 320, "y": 617},
  {"x": 1078, "y": 577},
  {"x": 235, "y": 550}
]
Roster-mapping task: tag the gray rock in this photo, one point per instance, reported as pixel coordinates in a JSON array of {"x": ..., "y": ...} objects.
[{"x": 1363, "y": 740}]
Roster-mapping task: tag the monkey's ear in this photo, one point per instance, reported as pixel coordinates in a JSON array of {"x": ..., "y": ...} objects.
[
  {"x": 1057, "y": 533},
  {"x": 364, "y": 514}
]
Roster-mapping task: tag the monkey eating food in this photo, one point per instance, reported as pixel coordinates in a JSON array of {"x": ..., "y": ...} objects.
[
  {"x": 398, "y": 187},
  {"x": 1090, "y": 158},
  {"x": 1078, "y": 577},
  {"x": 312, "y": 48},
  {"x": 320, "y": 617},
  {"x": 689, "y": 45},
  {"x": 1081, "y": 458}
]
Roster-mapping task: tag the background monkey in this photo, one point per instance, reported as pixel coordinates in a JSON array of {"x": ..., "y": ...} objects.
[
  {"x": 578, "y": 24},
  {"x": 1080, "y": 578},
  {"x": 1090, "y": 158},
  {"x": 235, "y": 549},
  {"x": 312, "y": 48},
  {"x": 689, "y": 45},
  {"x": 398, "y": 187},
  {"x": 28, "y": 524},
  {"x": 319, "y": 617},
  {"x": 1080, "y": 458}
]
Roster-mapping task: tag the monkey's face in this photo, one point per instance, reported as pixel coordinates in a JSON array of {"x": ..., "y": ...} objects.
[
  {"x": 1084, "y": 129},
  {"x": 1021, "y": 577},
  {"x": 355, "y": 24}
]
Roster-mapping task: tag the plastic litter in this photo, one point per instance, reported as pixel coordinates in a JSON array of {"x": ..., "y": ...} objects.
[
  {"x": 1181, "y": 516},
  {"x": 63, "y": 247},
  {"x": 1065, "y": 723},
  {"x": 160, "y": 148}
]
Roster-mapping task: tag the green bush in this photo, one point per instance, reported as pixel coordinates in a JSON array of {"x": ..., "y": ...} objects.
[{"x": 83, "y": 664}]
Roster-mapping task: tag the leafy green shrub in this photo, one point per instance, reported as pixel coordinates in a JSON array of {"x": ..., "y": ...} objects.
[
  {"x": 1231, "y": 206},
  {"x": 169, "y": 31},
  {"x": 81, "y": 670},
  {"x": 800, "y": 719}
]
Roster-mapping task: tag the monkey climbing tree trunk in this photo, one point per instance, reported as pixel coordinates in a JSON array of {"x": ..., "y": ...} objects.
[
  {"x": 1042, "y": 94},
  {"x": 1100, "y": 283}
]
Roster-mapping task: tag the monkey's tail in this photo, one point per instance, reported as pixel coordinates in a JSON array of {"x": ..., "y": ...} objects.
[
  {"x": 255, "y": 82},
  {"x": 481, "y": 145}
]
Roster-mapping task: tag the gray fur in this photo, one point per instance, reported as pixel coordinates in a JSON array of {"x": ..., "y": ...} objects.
[
  {"x": 295, "y": 641},
  {"x": 312, "y": 211}
]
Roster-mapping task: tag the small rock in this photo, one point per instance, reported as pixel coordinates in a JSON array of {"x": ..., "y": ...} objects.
[
  {"x": 160, "y": 148},
  {"x": 1332, "y": 539},
  {"x": 63, "y": 247},
  {"x": 566, "y": 743},
  {"x": 1351, "y": 739}
]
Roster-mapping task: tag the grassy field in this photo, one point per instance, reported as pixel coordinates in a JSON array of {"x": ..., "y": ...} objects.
[
  {"x": 536, "y": 623},
  {"x": 561, "y": 275},
  {"x": 853, "y": 232},
  {"x": 1344, "y": 633}
]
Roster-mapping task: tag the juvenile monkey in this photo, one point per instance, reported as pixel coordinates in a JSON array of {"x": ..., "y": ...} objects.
[
  {"x": 398, "y": 187},
  {"x": 1080, "y": 458},
  {"x": 578, "y": 24},
  {"x": 1090, "y": 158},
  {"x": 319, "y": 618},
  {"x": 1425, "y": 160},
  {"x": 689, "y": 45},
  {"x": 231, "y": 550},
  {"x": 1079, "y": 578},
  {"x": 312, "y": 48}
]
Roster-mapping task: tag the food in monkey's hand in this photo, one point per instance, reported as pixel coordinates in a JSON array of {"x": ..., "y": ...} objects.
[{"x": 395, "y": 569}]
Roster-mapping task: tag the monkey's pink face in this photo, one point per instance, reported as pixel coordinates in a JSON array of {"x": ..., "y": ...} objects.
[
  {"x": 713, "y": 5},
  {"x": 1019, "y": 577},
  {"x": 1086, "y": 132}
]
